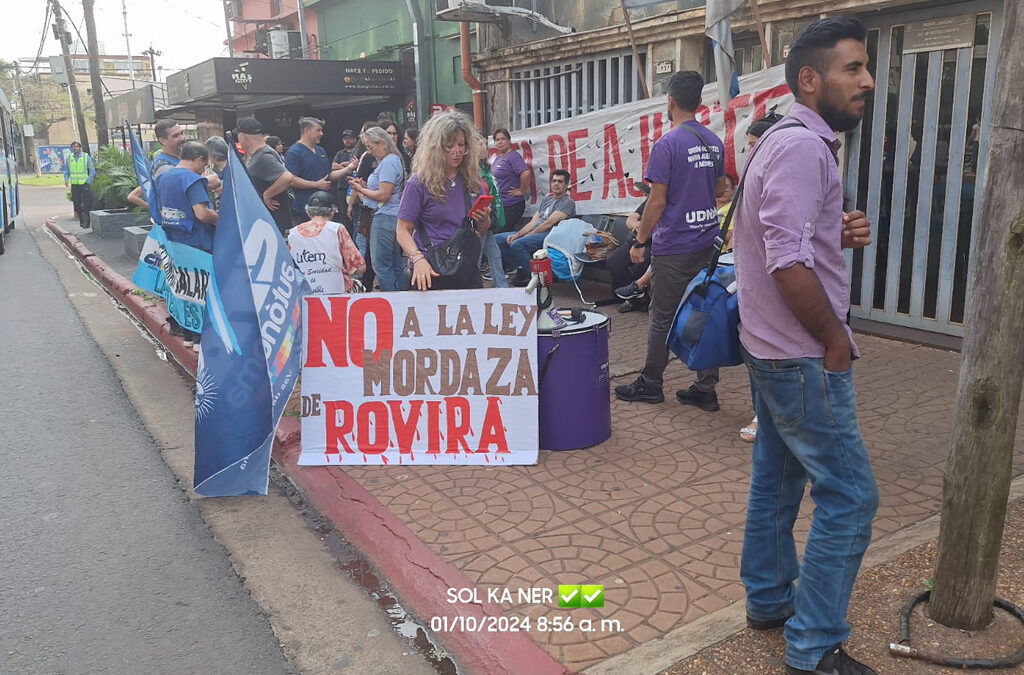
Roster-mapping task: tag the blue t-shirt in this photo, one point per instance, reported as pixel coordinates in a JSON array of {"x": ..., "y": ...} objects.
[
  {"x": 389, "y": 170},
  {"x": 690, "y": 167},
  {"x": 308, "y": 166},
  {"x": 178, "y": 190}
]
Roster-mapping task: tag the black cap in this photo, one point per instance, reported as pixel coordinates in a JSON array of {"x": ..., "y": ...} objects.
[
  {"x": 348, "y": 132},
  {"x": 248, "y": 125},
  {"x": 321, "y": 199}
]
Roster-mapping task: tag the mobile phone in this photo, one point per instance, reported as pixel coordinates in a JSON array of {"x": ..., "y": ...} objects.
[{"x": 483, "y": 201}]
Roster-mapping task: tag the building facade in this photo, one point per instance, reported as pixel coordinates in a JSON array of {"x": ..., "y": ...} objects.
[{"x": 916, "y": 164}]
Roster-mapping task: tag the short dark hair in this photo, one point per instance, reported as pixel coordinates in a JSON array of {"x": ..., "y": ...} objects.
[
  {"x": 563, "y": 173},
  {"x": 194, "y": 150},
  {"x": 413, "y": 132},
  {"x": 759, "y": 126},
  {"x": 163, "y": 126},
  {"x": 74, "y": 143},
  {"x": 684, "y": 88},
  {"x": 811, "y": 46},
  {"x": 273, "y": 141},
  {"x": 502, "y": 131}
]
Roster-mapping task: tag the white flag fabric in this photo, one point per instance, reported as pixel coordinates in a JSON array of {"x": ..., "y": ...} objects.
[{"x": 718, "y": 28}]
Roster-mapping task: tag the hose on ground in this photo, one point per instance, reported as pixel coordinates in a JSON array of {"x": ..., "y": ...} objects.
[{"x": 904, "y": 648}]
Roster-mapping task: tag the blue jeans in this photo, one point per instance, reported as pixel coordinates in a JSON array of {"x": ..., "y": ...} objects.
[
  {"x": 386, "y": 255},
  {"x": 489, "y": 250},
  {"x": 518, "y": 253},
  {"x": 807, "y": 430}
]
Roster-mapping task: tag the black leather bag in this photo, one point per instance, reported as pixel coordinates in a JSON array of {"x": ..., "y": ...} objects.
[{"x": 457, "y": 256}]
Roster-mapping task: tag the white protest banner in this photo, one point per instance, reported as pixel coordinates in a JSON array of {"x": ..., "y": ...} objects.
[
  {"x": 442, "y": 377},
  {"x": 606, "y": 152}
]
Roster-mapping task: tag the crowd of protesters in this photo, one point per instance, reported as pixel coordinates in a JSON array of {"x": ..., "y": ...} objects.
[{"x": 393, "y": 203}]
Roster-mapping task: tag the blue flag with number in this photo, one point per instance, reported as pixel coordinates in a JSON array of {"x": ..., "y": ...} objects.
[{"x": 249, "y": 356}]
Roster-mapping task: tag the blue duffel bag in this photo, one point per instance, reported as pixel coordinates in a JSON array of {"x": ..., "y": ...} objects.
[{"x": 705, "y": 330}]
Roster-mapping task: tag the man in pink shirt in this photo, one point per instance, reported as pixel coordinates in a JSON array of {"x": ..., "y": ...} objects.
[{"x": 794, "y": 295}]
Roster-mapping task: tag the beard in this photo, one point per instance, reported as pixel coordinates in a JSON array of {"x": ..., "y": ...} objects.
[{"x": 840, "y": 115}]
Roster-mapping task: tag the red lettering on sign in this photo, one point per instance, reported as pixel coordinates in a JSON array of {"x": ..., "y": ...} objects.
[
  {"x": 493, "y": 432},
  {"x": 459, "y": 424},
  {"x": 336, "y": 433},
  {"x": 326, "y": 330},
  {"x": 433, "y": 427},
  {"x": 577, "y": 162},
  {"x": 385, "y": 332},
  {"x": 613, "y": 163},
  {"x": 382, "y": 430},
  {"x": 647, "y": 138},
  {"x": 730, "y": 132},
  {"x": 704, "y": 115},
  {"x": 405, "y": 427}
]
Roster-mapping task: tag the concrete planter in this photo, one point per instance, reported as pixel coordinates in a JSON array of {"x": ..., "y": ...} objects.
[
  {"x": 134, "y": 239},
  {"x": 110, "y": 223}
]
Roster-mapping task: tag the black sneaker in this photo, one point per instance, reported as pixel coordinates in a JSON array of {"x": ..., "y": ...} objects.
[
  {"x": 638, "y": 390},
  {"x": 767, "y": 624},
  {"x": 630, "y": 291},
  {"x": 485, "y": 274},
  {"x": 627, "y": 306},
  {"x": 835, "y": 662},
  {"x": 705, "y": 400}
]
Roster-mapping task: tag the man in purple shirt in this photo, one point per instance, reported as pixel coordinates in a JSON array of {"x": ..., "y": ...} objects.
[
  {"x": 794, "y": 296},
  {"x": 680, "y": 224}
]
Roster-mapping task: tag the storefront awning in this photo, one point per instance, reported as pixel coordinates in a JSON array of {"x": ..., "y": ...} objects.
[{"x": 251, "y": 84}]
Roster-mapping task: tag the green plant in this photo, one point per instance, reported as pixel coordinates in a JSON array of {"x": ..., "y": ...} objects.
[{"x": 115, "y": 178}]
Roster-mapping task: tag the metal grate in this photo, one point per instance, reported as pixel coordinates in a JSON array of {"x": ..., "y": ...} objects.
[{"x": 543, "y": 94}]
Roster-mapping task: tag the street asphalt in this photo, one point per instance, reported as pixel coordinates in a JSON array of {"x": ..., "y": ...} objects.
[{"x": 105, "y": 566}]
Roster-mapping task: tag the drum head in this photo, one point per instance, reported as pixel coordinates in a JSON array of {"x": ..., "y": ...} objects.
[{"x": 591, "y": 321}]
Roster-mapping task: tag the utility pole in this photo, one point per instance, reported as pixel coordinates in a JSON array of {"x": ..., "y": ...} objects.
[
  {"x": 62, "y": 35},
  {"x": 227, "y": 26},
  {"x": 30, "y": 160},
  {"x": 976, "y": 484},
  {"x": 152, "y": 54},
  {"x": 94, "y": 73},
  {"x": 127, "y": 43}
]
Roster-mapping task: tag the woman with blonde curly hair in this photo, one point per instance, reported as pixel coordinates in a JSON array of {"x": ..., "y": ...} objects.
[{"x": 445, "y": 182}]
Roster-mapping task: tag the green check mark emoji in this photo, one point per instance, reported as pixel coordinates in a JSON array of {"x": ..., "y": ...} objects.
[{"x": 569, "y": 596}]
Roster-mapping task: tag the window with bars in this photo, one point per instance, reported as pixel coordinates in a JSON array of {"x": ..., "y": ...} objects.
[{"x": 551, "y": 92}]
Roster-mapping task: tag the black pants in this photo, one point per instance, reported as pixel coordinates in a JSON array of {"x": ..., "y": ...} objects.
[
  {"x": 81, "y": 197},
  {"x": 621, "y": 268},
  {"x": 513, "y": 214}
]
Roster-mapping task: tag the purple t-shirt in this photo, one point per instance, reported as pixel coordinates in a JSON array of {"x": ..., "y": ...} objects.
[
  {"x": 791, "y": 212},
  {"x": 506, "y": 170},
  {"x": 440, "y": 219},
  {"x": 679, "y": 160}
]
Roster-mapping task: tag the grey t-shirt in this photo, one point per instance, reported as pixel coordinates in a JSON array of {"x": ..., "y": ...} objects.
[
  {"x": 548, "y": 205},
  {"x": 265, "y": 166}
]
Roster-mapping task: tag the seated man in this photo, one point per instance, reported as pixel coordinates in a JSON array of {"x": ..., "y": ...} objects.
[{"x": 517, "y": 247}]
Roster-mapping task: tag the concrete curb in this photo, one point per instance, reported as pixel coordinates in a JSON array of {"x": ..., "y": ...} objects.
[{"x": 418, "y": 575}]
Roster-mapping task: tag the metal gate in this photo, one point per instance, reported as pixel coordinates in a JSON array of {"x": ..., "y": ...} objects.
[{"x": 916, "y": 164}]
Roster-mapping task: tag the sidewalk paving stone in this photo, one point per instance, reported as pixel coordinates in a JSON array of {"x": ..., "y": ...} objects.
[{"x": 656, "y": 512}]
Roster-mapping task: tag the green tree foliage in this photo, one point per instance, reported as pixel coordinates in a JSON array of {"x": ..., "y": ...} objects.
[{"x": 115, "y": 178}]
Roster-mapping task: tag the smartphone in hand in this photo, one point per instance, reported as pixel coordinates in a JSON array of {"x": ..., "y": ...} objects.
[{"x": 482, "y": 202}]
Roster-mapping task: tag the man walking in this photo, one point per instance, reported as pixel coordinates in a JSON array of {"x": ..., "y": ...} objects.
[
  {"x": 79, "y": 172},
  {"x": 680, "y": 224},
  {"x": 794, "y": 295},
  {"x": 518, "y": 247}
]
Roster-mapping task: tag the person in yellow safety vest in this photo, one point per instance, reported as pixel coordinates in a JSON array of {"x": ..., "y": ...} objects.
[{"x": 79, "y": 173}]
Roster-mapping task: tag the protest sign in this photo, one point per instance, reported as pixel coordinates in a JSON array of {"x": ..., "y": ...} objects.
[
  {"x": 444, "y": 377},
  {"x": 178, "y": 273},
  {"x": 606, "y": 151}
]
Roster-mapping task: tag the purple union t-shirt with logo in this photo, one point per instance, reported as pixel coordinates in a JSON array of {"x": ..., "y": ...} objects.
[{"x": 680, "y": 161}]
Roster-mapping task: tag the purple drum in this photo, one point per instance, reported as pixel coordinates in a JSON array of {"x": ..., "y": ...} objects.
[{"x": 574, "y": 395}]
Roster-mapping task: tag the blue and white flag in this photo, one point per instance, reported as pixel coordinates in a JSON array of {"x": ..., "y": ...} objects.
[
  {"x": 249, "y": 358},
  {"x": 178, "y": 273},
  {"x": 141, "y": 164}
]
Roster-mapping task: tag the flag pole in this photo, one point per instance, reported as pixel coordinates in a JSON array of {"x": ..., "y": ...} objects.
[
  {"x": 765, "y": 54},
  {"x": 636, "y": 54}
]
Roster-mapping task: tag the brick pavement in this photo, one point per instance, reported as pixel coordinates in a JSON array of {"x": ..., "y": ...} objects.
[{"x": 656, "y": 513}]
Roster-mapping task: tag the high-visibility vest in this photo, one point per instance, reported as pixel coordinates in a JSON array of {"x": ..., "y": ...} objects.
[{"x": 78, "y": 169}]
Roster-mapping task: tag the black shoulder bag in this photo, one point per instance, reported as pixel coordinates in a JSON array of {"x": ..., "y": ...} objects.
[{"x": 456, "y": 257}]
